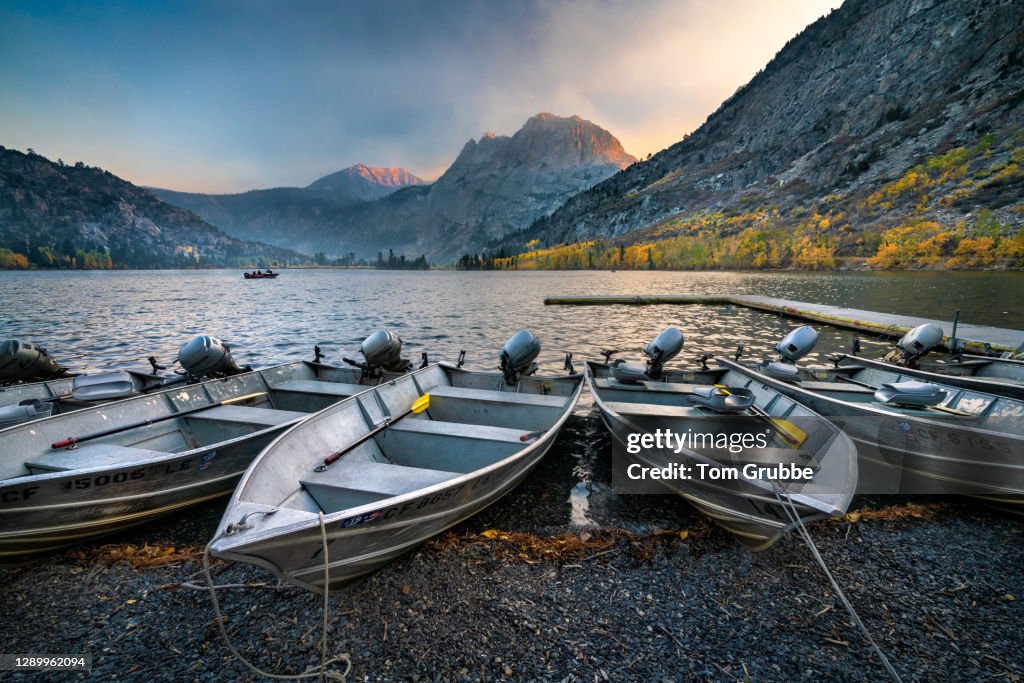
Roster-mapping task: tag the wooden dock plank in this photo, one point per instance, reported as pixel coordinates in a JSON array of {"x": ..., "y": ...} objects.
[{"x": 889, "y": 324}]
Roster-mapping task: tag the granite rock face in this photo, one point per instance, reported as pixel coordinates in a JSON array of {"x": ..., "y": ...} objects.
[
  {"x": 49, "y": 210},
  {"x": 848, "y": 105}
]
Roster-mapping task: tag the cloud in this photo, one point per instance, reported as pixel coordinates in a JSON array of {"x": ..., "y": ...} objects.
[{"x": 230, "y": 96}]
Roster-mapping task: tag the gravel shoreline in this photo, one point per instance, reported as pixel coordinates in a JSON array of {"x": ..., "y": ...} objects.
[{"x": 941, "y": 595}]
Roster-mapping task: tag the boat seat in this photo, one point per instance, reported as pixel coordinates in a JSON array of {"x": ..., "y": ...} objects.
[
  {"x": 651, "y": 410},
  {"x": 264, "y": 417},
  {"x": 511, "y": 397},
  {"x": 449, "y": 446},
  {"x": 351, "y": 483},
  {"x": 320, "y": 388},
  {"x": 458, "y": 429},
  {"x": 786, "y": 372},
  {"x": 90, "y": 455},
  {"x": 657, "y": 387},
  {"x": 835, "y": 386},
  {"x": 913, "y": 394}
]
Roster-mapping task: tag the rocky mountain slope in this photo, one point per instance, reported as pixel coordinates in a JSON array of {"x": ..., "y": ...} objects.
[
  {"x": 363, "y": 183},
  {"x": 276, "y": 215},
  {"x": 52, "y": 214},
  {"x": 885, "y": 115},
  {"x": 496, "y": 186}
]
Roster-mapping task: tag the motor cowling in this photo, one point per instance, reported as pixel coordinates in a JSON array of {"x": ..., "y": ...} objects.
[
  {"x": 383, "y": 350},
  {"x": 797, "y": 343},
  {"x": 920, "y": 340},
  {"x": 208, "y": 356},
  {"x": 24, "y": 362},
  {"x": 518, "y": 355},
  {"x": 664, "y": 348}
]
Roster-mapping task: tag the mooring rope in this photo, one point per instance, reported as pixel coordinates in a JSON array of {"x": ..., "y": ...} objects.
[
  {"x": 321, "y": 672},
  {"x": 794, "y": 516}
]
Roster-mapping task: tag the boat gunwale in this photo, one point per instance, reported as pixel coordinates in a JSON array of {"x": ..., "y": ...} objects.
[
  {"x": 223, "y": 543},
  {"x": 970, "y": 422},
  {"x": 806, "y": 499}
]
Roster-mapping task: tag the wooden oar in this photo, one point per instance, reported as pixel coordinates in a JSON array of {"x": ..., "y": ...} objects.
[
  {"x": 71, "y": 441},
  {"x": 786, "y": 429},
  {"x": 421, "y": 404},
  {"x": 943, "y": 409}
]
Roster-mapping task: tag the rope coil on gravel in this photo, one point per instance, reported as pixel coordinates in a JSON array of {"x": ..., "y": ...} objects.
[{"x": 320, "y": 672}]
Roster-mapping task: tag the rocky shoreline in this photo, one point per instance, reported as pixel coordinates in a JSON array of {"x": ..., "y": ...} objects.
[{"x": 520, "y": 593}]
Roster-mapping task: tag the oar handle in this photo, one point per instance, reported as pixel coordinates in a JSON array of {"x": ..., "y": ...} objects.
[{"x": 71, "y": 441}]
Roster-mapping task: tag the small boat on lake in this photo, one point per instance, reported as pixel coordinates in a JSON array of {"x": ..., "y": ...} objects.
[
  {"x": 382, "y": 472},
  {"x": 94, "y": 471},
  {"x": 260, "y": 275},
  {"x": 722, "y": 403},
  {"x": 912, "y": 436}
]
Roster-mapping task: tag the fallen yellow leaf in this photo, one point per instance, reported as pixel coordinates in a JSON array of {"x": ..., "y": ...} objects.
[
  {"x": 490, "y": 533},
  {"x": 132, "y": 602},
  {"x": 1009, "y": 597},
  {"x": 684, "y": 533}
]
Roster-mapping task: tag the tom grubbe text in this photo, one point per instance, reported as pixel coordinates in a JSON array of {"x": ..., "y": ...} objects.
[{"x": 666, "y": 440}]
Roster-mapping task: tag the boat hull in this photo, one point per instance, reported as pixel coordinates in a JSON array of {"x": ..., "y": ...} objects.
[
  {"x": 65, "y": 496},
  {"x": 754, "y": 515},
  {"x": 919, "y": 451},
  {"x": 965, "y": 375},
  {"x": 288, "y": 538}
]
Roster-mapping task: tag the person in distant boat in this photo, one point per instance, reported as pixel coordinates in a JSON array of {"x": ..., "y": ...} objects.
[{"x": 269, "y": 271}]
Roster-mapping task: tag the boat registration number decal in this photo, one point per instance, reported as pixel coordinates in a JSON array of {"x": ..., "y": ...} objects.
[{"x": 360, "y": 519}]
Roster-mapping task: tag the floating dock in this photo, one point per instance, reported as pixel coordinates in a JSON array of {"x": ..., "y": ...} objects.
[{"x": 887, "y": 324}]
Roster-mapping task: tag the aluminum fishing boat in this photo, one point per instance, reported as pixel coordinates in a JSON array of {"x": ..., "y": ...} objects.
[
  {"x": 758, "y": 511},
  {"x": 914, "y": 356},
  {"x": 912, "y": 436},
  {"x": 94, "y": 471},
  {"x": 25, "y": 402},
  {"x": 380, "y": 473}
]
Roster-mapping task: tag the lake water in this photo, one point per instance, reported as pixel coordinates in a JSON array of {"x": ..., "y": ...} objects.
[
  {"x": 94, "y": 320},
  {"x": 100, "y": 320}
]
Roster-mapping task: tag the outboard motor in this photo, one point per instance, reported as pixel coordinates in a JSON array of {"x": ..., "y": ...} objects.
[
  {"x": 920, "y": 340},
  {"x": 207, "y": 356},
  {"x": 383, "y": 351},
  {"x": 664, "y": 348},
  {"x": 24, "y": 362},
  {"x": 518, "y": 355},
  {"x": 792, "y": 348}
]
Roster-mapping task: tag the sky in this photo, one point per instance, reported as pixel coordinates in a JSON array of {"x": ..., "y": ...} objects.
[{"x": 231, "y": 96}]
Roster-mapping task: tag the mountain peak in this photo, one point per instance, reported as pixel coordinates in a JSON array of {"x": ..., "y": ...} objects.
[
  {"x": 545, "y": 141},
  {"x": 363, "y": 183}
]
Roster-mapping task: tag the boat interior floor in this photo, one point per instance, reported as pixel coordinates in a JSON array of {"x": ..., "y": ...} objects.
[{"x": 462, "y": 431}]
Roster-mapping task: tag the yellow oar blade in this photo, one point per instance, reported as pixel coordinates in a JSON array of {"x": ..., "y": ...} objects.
[
  {"x": 790, "y": 431},
  {"x": 421, "y": 404}
]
